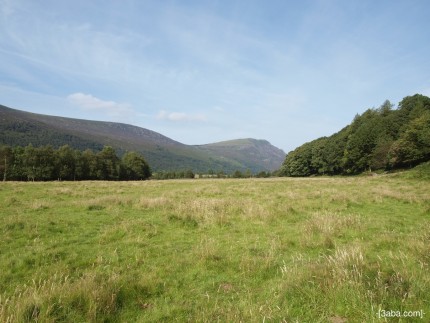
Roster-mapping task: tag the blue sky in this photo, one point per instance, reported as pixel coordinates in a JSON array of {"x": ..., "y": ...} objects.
[{"x": 205, "y": 71}]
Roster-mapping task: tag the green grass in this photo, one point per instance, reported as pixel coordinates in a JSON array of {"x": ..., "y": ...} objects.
[{"x": 307, "y": 250}]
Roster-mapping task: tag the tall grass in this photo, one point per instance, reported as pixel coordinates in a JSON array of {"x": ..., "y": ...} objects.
[{"x": 305, "y": 250}]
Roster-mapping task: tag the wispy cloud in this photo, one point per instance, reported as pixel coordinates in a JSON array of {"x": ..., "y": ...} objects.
[
  {"x": 90, "y": 102},
  {"x": 181, "y": 117}
]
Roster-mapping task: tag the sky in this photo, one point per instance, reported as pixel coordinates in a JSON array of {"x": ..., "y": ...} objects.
[{"x": 207, "y": 71}]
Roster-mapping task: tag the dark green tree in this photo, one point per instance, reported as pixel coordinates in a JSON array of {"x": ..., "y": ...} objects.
[
  {"x": 385, "y": 109},
  {"x": 361, "y": 142},
  {"x": 189, "y": 174},
  {"x": 319, "y": 163},
  {"x": 237, "y": 174},
  {"x": 39, "y": 163},
  {"x": 298, "y": 162},
  {"x": 134, "y": 167},
  {"x": 108, "y": 164},
  {"x": 18, "y": 166},
  {"x": 66, "y": 163},
  {"x": 89, "y": 165},
  {"x": 413, "y": 146}
]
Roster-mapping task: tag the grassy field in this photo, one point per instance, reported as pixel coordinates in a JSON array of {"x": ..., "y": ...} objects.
[{"x": 306, "y": 250}]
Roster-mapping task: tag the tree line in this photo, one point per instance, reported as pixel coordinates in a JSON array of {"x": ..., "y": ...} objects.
[
  {"x": 210, "y": 174},
  {"x": 45, "y": 163},
  {"x": 173, "y": 174},
  {"x": 379, "y": 139}
]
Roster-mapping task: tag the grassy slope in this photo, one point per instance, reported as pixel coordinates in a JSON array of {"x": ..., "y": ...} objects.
[{"x": 314, "y": 250}]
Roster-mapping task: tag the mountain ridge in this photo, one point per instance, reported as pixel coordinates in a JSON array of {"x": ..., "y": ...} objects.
[{"x": 20, "y": 128}]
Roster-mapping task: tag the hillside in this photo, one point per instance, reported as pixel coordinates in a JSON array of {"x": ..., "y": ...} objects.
[
  {"x": 19, "y": 128},
  {"x": 249, "y": 152},
  {"x": 379, "y": 139}
]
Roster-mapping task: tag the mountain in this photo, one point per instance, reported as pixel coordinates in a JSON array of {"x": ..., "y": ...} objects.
[
  {"x": 379, "y": 139},
  {"x": 248, "y": 152},
  {"x": 20, "y": 128}
]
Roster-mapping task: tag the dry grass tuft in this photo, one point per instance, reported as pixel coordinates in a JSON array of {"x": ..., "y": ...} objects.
[
  {"x": 331, "y": 224},
  {"x": 154, "y": 202},
  {"x": 345, "y": 265},
  {"x": 91, "y": 297},
  {"x": 294, "y": 267}
]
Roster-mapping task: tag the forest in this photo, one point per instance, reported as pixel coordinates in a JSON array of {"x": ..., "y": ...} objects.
[
  {"x": 379, "y": 139},
  {"x": 45, "y": 163}
]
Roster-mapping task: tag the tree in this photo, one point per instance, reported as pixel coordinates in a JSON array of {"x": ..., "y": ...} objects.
[
  {"x": 66, "y": 163},
  {"x": 413, "y": 146},
  {"x": 380, "y": 154},
  {"x": 237, "y": 174},
  {"x": 134, "y": 167},
  {"x": 81, "y": 166},
  {"x": 89, "y": 165},
  {"x": 45, "y": 163},
  {"x": 298, "y": 162},
  {"x": 319, "y": 164},
  {"x": 108, "y": 163},
  {"x": 17, "y": 172},
  {"x": 220, "y": 174},
  {"x": 385, "y": 109},
  {"x": 30, "y": 162},
  {"x": 39, "y": 163},
  {"x": 189, "y": 174},
  {"x": 334, "y": 152},
  {"x": 263, "y": 174}
]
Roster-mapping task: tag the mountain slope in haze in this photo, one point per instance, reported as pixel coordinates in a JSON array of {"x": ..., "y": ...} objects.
[
  {"x": 162, "y": 153},
  {"x": 249, "y": 152}
]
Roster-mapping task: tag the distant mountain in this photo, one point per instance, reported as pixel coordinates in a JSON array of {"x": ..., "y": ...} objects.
[
  {"x": 248, "y": 152},
  {"x": 20, "y": 128}
]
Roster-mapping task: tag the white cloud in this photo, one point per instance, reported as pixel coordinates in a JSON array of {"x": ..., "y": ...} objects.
[
  {"x": 181, "y": 117},
  {"x": 89, "y": 102}
]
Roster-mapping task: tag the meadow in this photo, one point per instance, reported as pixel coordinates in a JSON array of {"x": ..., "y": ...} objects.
[{"x": 340, "y": 249}]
